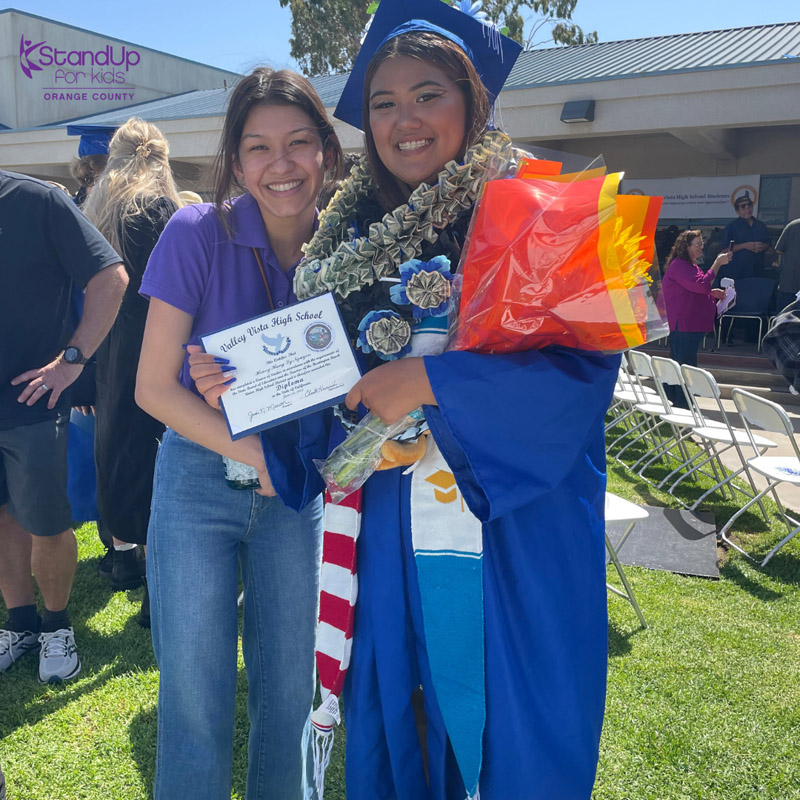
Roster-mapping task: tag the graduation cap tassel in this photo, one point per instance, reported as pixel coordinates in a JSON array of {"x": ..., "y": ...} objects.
[
  {"x": 492, "y": 33},
  {"x": 321, "y": 736}
]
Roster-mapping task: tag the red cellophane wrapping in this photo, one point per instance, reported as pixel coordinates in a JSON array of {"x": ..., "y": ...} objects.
[{"x": 558, "y": 259}]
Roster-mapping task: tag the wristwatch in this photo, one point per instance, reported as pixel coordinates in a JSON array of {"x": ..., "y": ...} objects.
[{"x": 73, "y": 355}]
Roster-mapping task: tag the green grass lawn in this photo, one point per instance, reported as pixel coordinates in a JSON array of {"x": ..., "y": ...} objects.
[{"x": 703, "y": 704}]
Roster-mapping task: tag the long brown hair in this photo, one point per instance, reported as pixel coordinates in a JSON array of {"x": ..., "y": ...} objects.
[
  {"x": 267, "y": 87},
  {"x": 681, "y": 247},
  {"x": 137, "y": 173},
  {"x": 454, "y": 62}
]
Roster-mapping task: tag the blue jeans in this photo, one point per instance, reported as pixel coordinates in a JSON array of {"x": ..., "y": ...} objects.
[
  {"x": 683, "y": 347},
  {"x": 201, "y": 532}
]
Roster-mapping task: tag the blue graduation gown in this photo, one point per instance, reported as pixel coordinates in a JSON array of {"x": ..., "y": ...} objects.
[{"x": 523, "y": 435}]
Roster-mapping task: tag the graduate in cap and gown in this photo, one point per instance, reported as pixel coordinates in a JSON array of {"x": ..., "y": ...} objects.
[{"x": 480, "y": 575}]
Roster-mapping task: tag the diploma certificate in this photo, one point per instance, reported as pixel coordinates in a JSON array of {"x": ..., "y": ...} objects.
[{"x": 288, "y": 363}]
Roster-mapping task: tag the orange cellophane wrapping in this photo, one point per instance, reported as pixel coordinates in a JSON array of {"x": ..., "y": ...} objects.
[{"x": 558, "y": 259}]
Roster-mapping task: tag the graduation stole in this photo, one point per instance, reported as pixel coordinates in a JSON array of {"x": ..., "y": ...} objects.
[
  {"x": 338, "y": 589},
  {"x": 448, "y": 552}
]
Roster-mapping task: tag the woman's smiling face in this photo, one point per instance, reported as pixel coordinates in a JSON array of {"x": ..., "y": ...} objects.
[
  {"x": 696, "y": 248},
  {"x": 418, "y": 118},
  {"x": 281, "y": 161}
]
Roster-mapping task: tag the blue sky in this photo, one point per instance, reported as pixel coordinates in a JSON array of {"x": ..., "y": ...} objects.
[{"x": 239, "y": 34}]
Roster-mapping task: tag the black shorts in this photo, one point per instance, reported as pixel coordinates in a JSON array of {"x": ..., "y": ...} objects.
[{"x": 33, "y": 476}]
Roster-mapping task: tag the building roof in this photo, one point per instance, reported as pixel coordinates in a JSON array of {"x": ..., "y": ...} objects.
[
  {"x": 197, "y": 103},
  {"x": 552, "y": 66},
  {"x": 657, "y": 55}
]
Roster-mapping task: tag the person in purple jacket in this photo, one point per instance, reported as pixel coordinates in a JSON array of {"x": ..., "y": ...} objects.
[
  {"x": 690, "y": 300},
  {"x": 217, "y": 264}
]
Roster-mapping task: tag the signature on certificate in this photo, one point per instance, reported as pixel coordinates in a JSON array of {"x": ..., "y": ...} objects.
[
  {"x": 257, "y": 412},
  {"x": 328, "y": 387}
]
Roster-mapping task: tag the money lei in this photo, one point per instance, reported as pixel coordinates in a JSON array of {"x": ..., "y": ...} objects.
[{"x": 333, "y": 261}]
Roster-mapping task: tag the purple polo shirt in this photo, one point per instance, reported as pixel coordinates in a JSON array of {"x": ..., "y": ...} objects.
[
  {"x": 197, "y": 267},
  {"x": 687, "y": 294}
]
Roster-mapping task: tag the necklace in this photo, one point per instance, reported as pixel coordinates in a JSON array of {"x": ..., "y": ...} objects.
[{"x": 336, "y": 260}]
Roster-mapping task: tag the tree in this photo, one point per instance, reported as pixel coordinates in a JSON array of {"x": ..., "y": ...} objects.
[
  {"x": 513, "y": 17},
  {"x": 326, "y": 34}
]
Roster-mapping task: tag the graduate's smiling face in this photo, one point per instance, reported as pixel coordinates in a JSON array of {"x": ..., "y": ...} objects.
[
  {"x": 417, "y": 116},
  {"x": 281, "y": 161}
]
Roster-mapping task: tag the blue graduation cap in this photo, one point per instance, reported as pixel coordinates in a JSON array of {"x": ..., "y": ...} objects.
[
  {"x": 492, "y": 54},
  {"x": 94, "y": 138}
]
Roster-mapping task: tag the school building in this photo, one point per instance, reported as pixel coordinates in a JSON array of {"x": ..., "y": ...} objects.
[{"x": 696, "y": 117}]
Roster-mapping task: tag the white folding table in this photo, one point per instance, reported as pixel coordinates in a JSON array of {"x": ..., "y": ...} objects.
[{"x": 620, "y": 510}]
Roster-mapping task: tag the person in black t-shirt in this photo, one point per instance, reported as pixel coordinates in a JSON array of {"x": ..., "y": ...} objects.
[{"x": 46, "y": 247}]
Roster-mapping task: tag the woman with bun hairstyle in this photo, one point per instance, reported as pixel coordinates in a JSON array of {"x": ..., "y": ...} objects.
[
  {"x": 218, "y": 264},
  {"x": 130, "y": 205}
]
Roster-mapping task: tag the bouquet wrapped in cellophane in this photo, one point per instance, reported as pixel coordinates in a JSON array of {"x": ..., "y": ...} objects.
[
  {"x": 550, "y": 259},
  {"x": 559, "y": 259}
]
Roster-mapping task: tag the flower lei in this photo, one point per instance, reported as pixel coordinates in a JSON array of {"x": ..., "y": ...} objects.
[{"x": 335, "y": 260}]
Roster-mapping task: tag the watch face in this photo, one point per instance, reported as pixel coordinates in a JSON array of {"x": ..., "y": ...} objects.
[{"x": 72, "y": 355}]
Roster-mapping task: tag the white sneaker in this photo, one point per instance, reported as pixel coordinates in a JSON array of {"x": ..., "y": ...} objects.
[
  {"x": 58, "y": 659},
  {"x": 14, "y": 645}
]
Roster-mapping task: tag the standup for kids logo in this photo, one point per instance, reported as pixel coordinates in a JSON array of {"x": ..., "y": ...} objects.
[{"x": 103, "y": 68}]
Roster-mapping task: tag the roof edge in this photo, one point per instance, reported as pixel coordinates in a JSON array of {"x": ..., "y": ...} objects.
[{"x": 661, "y": 36}]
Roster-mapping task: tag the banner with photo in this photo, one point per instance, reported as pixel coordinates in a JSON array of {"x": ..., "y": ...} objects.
[{"x": 697, "y": 198}]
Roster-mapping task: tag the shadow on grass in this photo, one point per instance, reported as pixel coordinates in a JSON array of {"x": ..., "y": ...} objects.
[
  {"x": 732, "y": 571},
  {"x": 142, "y": 732},
  {"x": 24, "y": 701},
  {"x": 783, "y": 567},
  {"x": 618, "y": 639}
]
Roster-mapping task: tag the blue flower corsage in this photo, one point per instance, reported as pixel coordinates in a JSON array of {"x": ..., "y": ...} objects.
[
  {"x": 385, "y": 332},
  {"x": 425, "y": 285}
]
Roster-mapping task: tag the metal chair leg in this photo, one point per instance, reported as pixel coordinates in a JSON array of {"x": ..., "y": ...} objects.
[{"x": 630, "y": 596}]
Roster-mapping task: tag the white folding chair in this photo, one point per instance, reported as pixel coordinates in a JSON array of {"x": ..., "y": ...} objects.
[
  {"x": 768, "y": 416},
  {"x": 667, "y": 372},
  {"x": 620, "y": 510},
  {"x": 627, "y": 392},
  {"x": 650, "y": 412},
  {"x": 719, "y": 440}
]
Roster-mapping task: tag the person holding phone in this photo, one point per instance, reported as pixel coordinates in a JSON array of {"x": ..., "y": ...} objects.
[{"x": 690, "y": 300}]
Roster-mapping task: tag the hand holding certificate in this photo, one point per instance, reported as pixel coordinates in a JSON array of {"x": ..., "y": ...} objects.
[{"x": 289, "y": 363}]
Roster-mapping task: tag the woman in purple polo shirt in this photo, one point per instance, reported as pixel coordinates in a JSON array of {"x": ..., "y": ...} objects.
[
  {"x": 691, "y": 302},
  {"x": 217, "y": 264}
]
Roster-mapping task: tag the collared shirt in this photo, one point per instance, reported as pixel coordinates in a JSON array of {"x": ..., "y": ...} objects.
[
  {"x": 745, "y": 263},
  {"x": 213, "y": 276}
]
